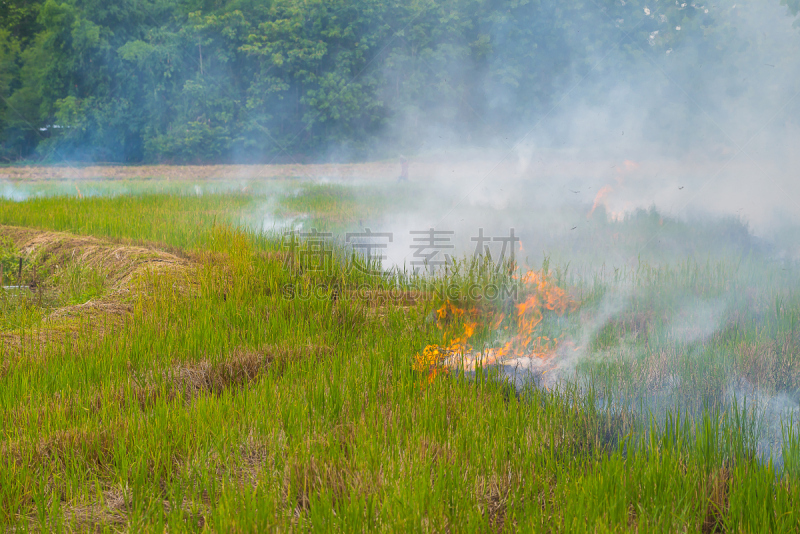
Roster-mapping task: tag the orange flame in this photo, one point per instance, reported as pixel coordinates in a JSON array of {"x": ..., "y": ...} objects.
[
  {"x": 543, "y": 296},
  {"x": 600, "y": 198},
  {"x": 630, "y": 165},
  {"x": 628, "y": 168}
]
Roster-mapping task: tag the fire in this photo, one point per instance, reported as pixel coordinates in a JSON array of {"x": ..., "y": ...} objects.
[
  {"x": 542, "y": 297},
  {"x": 630, "y": 165},
  {"x": 600, "y": 198},
  {"x": 628, "y": 168}
]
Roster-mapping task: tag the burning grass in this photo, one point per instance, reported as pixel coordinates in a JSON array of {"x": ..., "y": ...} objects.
[
  {"x": 226, "y": 401},
  {"x": 521, "y": 333}
]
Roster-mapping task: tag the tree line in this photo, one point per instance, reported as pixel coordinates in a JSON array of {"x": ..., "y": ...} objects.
[{"x": 245, "y": 80}]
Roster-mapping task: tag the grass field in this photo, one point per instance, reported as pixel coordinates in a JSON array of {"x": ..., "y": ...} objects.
[{"x": 177, "y": 367}]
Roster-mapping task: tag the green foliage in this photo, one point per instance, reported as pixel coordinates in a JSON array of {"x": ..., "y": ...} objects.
[
  {"x": 196, "y": 81},
  {"x": 9, "y": 51},
  {"x": 9, "y": 258},
  {"x": 78, "y": 284},
  {"x": 194, "y": 142}
]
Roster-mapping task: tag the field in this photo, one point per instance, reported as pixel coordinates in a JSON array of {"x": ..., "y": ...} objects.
[{"x": 172, "y": 360}]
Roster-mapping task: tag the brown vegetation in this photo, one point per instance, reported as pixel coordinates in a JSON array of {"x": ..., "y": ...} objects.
[{"x": 126, "y": 271}]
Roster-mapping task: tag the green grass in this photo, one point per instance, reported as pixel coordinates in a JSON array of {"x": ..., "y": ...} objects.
[
  {"x": 332, "y": 207},
  {"x": 171, "y": 220},
  {"x": 234, "y": 407}
]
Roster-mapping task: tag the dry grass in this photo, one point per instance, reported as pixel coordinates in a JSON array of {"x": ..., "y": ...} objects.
[
  {"x": 380, "y": 298},
  {"x": 717, "y": 507},
  {"x": 551, "y": 163},
  {"x": 198, "y": 173},
  {"x": 120, "y": 263},
  {"x": 127, "y": 271},
  {"x": 239, "y": 368},
  {"x": 108, "y": 513},
  {"x": 494, "y": 494}
]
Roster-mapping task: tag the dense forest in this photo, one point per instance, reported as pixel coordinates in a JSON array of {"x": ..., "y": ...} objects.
[{"x": 249, "y": 80}]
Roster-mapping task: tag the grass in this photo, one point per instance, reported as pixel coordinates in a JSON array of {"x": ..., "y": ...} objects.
[
  {"x": 225, "y": 401},
  {"x": 334, "y": 207}
]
